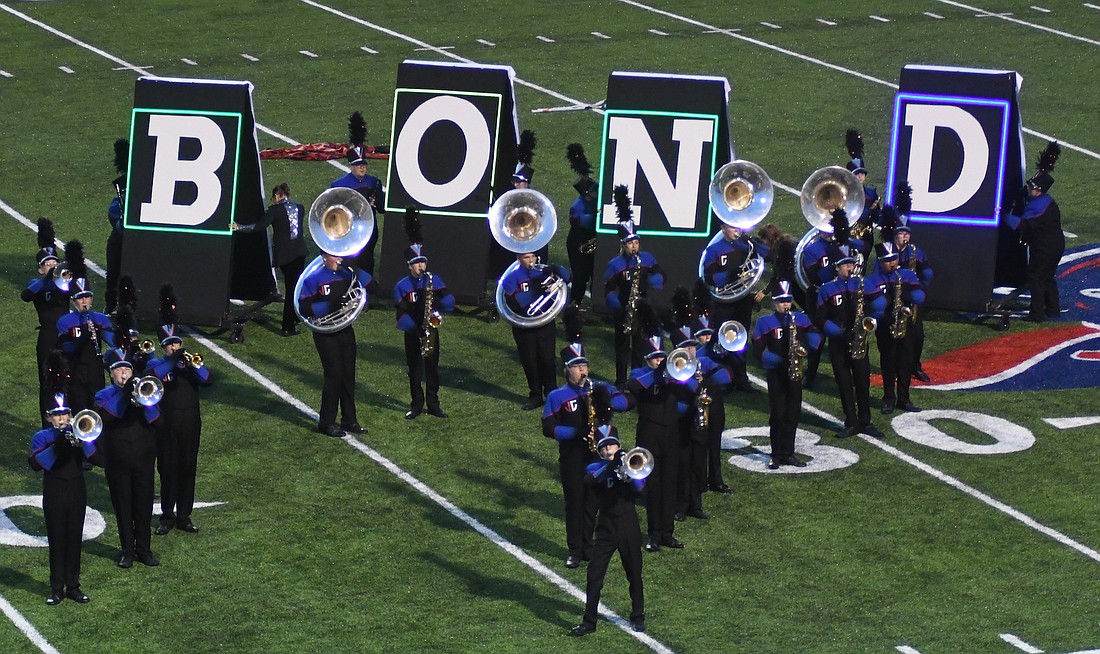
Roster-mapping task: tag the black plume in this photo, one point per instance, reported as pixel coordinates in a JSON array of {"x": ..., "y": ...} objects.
[
  {"x": 573, "y": 324},
  {"x": 525, "y": 152},
  {"x": 621, "y": 194},
  {"x": 702, "y": 297},
  {"x": 784, "y": 259},
  {"x": 1049, "y": 156},
  {"x": 574, "y": 153},
  {"x": 46, "y": 235},
  {"x": 57, "y": 373},
  {"x": 125, "y": 325},
  {"x": 903, "y": 202},
  {"x": 412, "y": 225},
  {"x": 647, "y": 319},
  {"x": 357, "y": 129},
  {"x": 853, "y": 140},
  {"x": 681, "y": 306},
  {"x": 890, "y": 222},
  {"x": 168, "y": 314},
  {"x": 127, "y": 292},
  {"x": 74, "y": 259},
  {"x": 122, "y": 155},
  {"x": 839, "y": 223}
]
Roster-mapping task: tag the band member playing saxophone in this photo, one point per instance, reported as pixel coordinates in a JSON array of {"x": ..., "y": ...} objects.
[
  {"x": 571, "y": 417},
  {"x": 842, "y": 311},
  {"x": 782, "y": 342},
  {"x": 894, "y": 294},
  {"x": 421, "y": 299}
]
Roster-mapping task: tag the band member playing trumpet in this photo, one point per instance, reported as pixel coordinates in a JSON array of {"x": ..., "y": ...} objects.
[
  {"x": 524, "y": 288},
  {"x": 83, "y": 334},
  {"x": 843, "y": 311},
  {"x": 628, "y": 279},
  {"x": 183, "y": 374},
  {"x": 581, "y": 241},
  {"x": 894, "y": 294},
  {"x": 421, "y": 298},
  {"x": 130, "y": 414},
  {"x": 50, "y": 303},
  {"x": 571, "y": 417},
  {"x": 617, "y": 530},
  {"x": 782, "y": 342},
  {"x": 323, "y": 292},
  {"x": 60, "y": 456}
]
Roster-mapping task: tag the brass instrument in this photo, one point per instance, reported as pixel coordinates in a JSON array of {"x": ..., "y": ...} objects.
[
  {"x": 864, "y": 325},
  {"x": 637, "y": 464},
  {"x": 635, "y": 294},
  {"x": 341, "y": 223},
  {"x": 63, "y": 278},
  {"x": 900, "y": 324},
  {"x": 796, "y": 353},
  {"x": 147, "y": 391},
  {"x": 146, "y": 346},
  {"x": 194, "y": 360},
  {"x": 681, "y": 365},
  {"x": 732, "y": 336},
  {"x": 588, "y": 247},
  {"x": 523, "y": 220},
  {"x": 859, "y": 229},
  {"x": 431, "y": 319},
  {"x": 85, "y": 427},
  {"x": 590, "y": 437},
  {"x": 741, "y": 196},
  {"x": 702, "y": 401},
  {"x": 825, "y": 190}
]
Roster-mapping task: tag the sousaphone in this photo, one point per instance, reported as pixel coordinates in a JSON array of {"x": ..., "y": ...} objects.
[
  {"x": 825, "y": 190},
  {"x": 741, "y": 195},
  {"x": 341, "y": 222}
]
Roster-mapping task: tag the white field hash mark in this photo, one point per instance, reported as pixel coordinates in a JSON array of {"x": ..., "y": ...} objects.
[{"x": 1019, "y": 644}]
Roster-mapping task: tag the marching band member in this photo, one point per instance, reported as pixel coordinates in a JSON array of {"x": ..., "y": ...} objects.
[
  {"x": 83, "y": 334},
  {"x": 50, "y": 303},
  {"x": 773, "y": 341},
  {"x": 1039, "y": 222},
  {"x": 842, "y": 306},
  {"x": 658, "y": 398},
  {"x": 616, "y": 530},
  {"x": 129, "y": 445},
  {"x": 854, "y": 141},
  {"x": 369, "y": 186},
  {"x": 64, "y": 498},
  {"x": 323, "y": 292},
  {"x": 288, "y": 246},
  {"x": 183, "y": 374},
  {"x": 723, "y": 263},
  {"x": 535, "y": 345},
  {"x": 499, "y": 257},
  {"x": 627, "y": 281},
  {"x": 581, "y": 241},
  {"x": 913, "y": 258},
  {"x": 571, "y": 416},
  {"x": 420, "y": 299},
  {"x": 716, "y": 359},
  {"x": 115, "y": 213},
  {"x": 894, "y": 294}
]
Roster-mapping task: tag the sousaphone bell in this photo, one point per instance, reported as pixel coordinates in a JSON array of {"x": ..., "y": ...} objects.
[
  {"x": 741, "y": 195},
  {"x": 523, "y": 220},
  {"x": 341, "y": 223},
  {"x": 825, "y": 190}
]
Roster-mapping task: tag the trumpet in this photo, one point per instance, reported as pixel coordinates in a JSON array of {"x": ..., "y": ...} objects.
[
  {"x": 86, "y": 426},
  {"x": 146, "y": 347},
  {"x": 637, "y": 464},
  {"x": 681, "y": 365},
  {"x": 147, "y": 391},
  {"x": 194, "y": 360}
]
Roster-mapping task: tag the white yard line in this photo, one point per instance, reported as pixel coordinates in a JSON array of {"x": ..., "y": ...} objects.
[{"x": 1018, "y": 21}]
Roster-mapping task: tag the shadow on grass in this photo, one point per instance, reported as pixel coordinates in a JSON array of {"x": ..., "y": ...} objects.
[{"x": 11, "y": 578}]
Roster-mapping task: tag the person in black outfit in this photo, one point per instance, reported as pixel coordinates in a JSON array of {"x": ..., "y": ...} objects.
[
  {"x": 50, "y": 303},
  {"x": 616, "y": 530},
  {"x": 183, "y": 374},
  {"x": 369, "y": 186},
  {"x": 288, "y": 244},
  {"x": 129, "y": 445},
  {"x": 83, "y": 335},
  {"x": 115, "y": 215},
  {"x": 64, "y": 498},
  {"x": 323, "y": 293},
  {"x": 1039, "y": 223},
  {"x": 580, "y": 244}
]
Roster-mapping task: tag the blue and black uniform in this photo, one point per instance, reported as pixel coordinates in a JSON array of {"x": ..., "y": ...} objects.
[
  {"x": 51, "y": 303},
  {"x": 371, "y": 188},
  {"x": 1040, "y": 227},
  {"x": 836, "y": 313},
  {"x": 582, "y": 235},
  {"x": 408, "y": 299},
  {"x": 895, "y": 354},
  {"x": 535, "y": 345},
  {"x": 83, "y": 351},
  {"x": 705, "y": 467},
  {"x": 771, "y": 339},
  {"x": 722, "y": 265},
  {"x": 288, "y": 249},
  {"x": 618, "y": 280}
]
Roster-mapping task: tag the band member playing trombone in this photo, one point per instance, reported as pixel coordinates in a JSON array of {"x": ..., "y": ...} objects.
[
  {"x": 616, "y": 486},
  {"x": 59, "y": 454},
  {"x": 322, "y": 292},
  {"x": 130, "y": 414},
  {"x": 183, "y": 374},
  {"x": 843, "y": 311},
  {"x": 83, "y": 334},
  {"x": 782, "y": 342},
  {"x": 421, "y": 298},
  {"x": 571, "y": 417},
  {"x": 894, "y": 294}
]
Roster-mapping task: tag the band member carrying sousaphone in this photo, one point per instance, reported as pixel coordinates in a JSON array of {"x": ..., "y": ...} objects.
[
  {"x": 421, "y": 299},
  {"x": 330, "y": 295},
  {"x": 530, "y": 294}
]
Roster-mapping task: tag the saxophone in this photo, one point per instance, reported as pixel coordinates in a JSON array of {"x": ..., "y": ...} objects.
[
  {"x": 796, "y": 353},
  {"x": 912, "y": 250},
  {"x": 590, "y": 437},
  {"x": 702, "y": 402},
  {"x": 430, "y": 320},
  {"x": 901, "y": 314},
  {"x": 635, "y": 293},
  {"x": 864, "y": 325}
]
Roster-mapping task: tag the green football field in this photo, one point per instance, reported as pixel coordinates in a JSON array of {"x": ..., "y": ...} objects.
[{"x": 972, "y": 527}]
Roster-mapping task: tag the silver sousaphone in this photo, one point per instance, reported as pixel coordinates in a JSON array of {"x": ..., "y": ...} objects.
[
  {"x": 825, "y": 190},
  {"x": 523, "y": 220},
  {"x": 741, "y": 195},
  {"x": 341, "y": 222}
]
